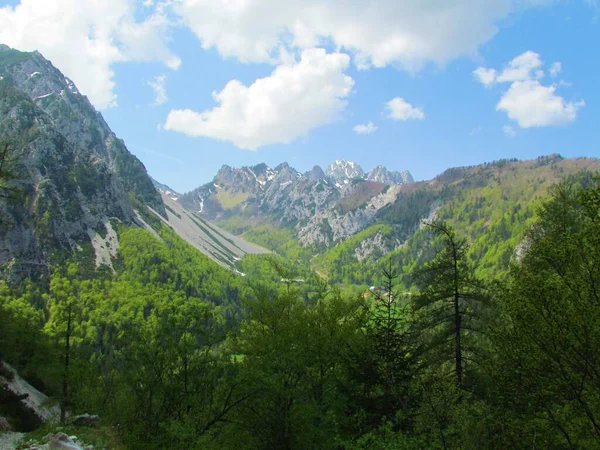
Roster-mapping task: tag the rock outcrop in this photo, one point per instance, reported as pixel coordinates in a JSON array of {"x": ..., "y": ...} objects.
[{"x": 72, "y": 174}]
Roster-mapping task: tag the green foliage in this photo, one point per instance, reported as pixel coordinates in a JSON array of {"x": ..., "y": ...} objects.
[
  {"x": 340, "y": 263},
  {"x": 293, "y": 353},
  {"x": 450, "y": 303},
  {"x": 550, "y": 335},
  {"x": 181, "y": 353},
  {"x": 491, "y": 205},
  {"x": 280, "y": 240}
]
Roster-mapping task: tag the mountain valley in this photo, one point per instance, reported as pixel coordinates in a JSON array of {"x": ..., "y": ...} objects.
[{"x": 270, "y": 308}]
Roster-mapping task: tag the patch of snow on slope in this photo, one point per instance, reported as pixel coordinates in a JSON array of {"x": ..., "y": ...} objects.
[{"x": 43, "y": 96}]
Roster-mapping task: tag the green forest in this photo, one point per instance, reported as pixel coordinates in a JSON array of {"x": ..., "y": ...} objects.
[{"x": 173, "y": 351}]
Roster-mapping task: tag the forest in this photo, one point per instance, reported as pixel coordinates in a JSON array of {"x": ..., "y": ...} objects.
[{"x": 172, "y": 351}]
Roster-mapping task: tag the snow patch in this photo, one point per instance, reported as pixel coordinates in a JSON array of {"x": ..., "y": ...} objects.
[
  {"x": 71, "y": 86},
  {"x": 43, "y": 96}
]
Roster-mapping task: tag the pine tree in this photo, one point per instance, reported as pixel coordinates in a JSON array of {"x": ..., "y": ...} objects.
[{"x": 450, "y": 300}]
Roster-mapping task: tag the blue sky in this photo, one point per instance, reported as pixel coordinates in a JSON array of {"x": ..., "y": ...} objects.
[{"x": 444, "y": 83}]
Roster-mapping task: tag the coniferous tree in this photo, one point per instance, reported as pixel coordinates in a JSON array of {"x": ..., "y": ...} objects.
[{"x": 450, "y": 300}]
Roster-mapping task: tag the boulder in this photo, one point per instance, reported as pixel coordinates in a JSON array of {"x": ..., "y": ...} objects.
[
  {"x": 87, "y": 420},
  {"x": 60, "y": 441}
]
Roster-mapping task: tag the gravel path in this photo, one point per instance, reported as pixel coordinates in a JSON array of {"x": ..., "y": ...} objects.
[{"x": 9, "y": 439}]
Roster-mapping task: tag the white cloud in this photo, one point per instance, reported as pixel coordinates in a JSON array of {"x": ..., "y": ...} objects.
[
  {"x": 522, "y": 68},
  {"x": 160, "y": 92},
  {"x": 367, "y": 128},
  {"x": 555, "y": 69},
  {"x": 533, "y": 105},
  {"x": 399, "y": 109},
  {"x": 407, "y": 33},
  {"x": 509, "y": 131},
  {"x": 84, "y": 39},
  {"x": 485, "y": 76},
  {"x": 527, "y": 101},
  {"x": 293, "y": 100}
]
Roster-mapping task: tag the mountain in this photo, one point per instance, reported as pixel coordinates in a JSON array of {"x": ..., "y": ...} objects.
[
  {"x": 382, "y": 175},
  {"x": 347, "y": 223},
  {"x": 76, "y": 181},
  {"x": 491, "y": 205},
  {"x": 320, "y": 207},
  {"x": 343, "y": 172},
  {"x": 218, "y": 244}
]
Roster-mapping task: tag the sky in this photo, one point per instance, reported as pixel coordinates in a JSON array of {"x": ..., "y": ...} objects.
[{"x": 191, "y": 85}]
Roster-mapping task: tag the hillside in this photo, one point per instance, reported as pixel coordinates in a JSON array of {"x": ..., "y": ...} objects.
[
  {"x": 75, "y": 181},
  {"x": 492, "y": 205},
  {"x": 348, "y": 225}
]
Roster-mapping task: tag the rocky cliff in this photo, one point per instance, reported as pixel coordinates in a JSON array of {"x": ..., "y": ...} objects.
[
  {"x": 74, "y": 179},
  {"x": 322, "y": 207}
]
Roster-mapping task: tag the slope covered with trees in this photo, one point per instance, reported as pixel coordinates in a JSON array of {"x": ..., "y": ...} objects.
[
  {"x": 184, "y": 354},
  {"x": 491, "y": 205}
]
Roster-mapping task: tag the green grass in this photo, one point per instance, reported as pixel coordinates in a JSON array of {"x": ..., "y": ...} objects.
[{"x": 229, "y": 200}]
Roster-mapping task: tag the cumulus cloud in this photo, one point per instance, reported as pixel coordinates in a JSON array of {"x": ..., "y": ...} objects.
[
  {"x": 367, "y": 128},
  {"x": 294, "y": 99},
  {"x": 485, "y": 76},
  {"x": 532, "y": 105},
  {"x": 160, "y": 92},
  {"x": 84, "y": 39},
  {"x": 407, "y": 33},
  {"x": 527, "y": 101},
  {"x": 523, "y": 67},
  {"x": 399, "y": 109}
]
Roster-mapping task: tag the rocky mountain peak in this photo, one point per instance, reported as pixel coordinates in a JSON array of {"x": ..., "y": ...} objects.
[
  {"x": 382, "y": 175},
  {"x": 343, "y": 171},
  {"x": 315, "y": 174}
]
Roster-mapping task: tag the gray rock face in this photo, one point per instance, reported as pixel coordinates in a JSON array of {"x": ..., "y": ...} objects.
[
  {"x": 315, "y": 174},
  {"x": 73, "y": 174},
  {"x": 322, "y": 207},
  {"x": 343, "y": 171},
  {"x": 382, "y": 175}
]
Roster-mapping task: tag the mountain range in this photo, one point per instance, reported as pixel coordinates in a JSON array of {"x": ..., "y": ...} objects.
[
  {"x": 322, "y": 207},
  {"x": 77, "y": 185}
]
